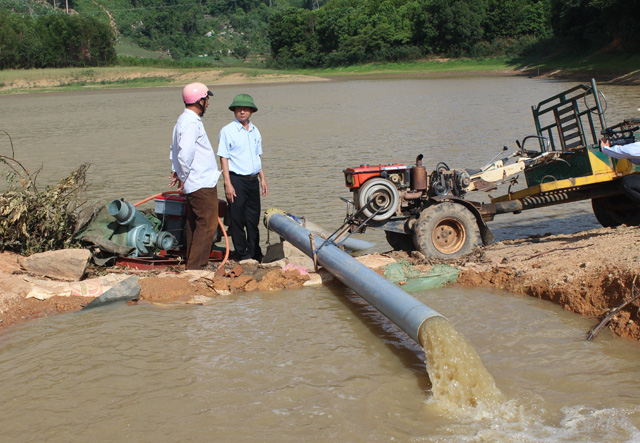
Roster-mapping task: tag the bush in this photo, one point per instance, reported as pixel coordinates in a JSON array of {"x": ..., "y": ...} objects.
[{"x": 36, "y": 221}]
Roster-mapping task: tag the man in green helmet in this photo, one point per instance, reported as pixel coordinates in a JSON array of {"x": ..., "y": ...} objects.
[{"x": 239, "y": 149}]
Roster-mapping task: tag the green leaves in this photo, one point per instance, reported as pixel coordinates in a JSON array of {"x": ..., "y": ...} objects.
[
  {"x": 54, "y": 40},
  {"x": 344, "y": 32}
]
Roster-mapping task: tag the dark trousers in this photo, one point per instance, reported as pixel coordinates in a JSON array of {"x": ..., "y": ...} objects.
[
  {"x": 202, "y": 223},
  {"x": 244, "y": 217},
  {"x": 631, "y": 186}
]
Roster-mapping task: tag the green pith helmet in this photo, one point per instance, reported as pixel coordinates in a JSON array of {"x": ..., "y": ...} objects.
[{"x": 243, "y": 100}]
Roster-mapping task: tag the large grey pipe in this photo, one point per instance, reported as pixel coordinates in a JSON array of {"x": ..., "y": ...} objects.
[{"x": 395, "y": 304}]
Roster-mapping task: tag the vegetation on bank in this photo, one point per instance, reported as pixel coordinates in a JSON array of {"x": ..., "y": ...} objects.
[
  {"x": 307, "y": 33},
  {"x": 35, "y": 219},
  {"x": 54, "y": 40},
  {"x": 344, "y": 32}
]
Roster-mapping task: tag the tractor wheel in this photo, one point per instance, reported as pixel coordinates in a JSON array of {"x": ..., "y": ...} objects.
[
  {"x": 615, "y": 211},
  {"x": 378, "y": 193},
  {"x": 399, "y": 241},
  {"x": 446, "y": 230}
]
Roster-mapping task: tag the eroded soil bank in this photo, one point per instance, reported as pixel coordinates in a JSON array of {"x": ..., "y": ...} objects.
[{"x": 590, "y": 273}]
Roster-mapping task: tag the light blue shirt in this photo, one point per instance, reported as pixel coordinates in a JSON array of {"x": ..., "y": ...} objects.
[
  {"x": 242, "y": 147},
  {"x": 192, "y": 156},
  {"x": 631, "y": 152}
]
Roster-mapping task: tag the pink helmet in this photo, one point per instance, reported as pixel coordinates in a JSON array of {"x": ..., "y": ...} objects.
[{"x": 194, "y": 92}]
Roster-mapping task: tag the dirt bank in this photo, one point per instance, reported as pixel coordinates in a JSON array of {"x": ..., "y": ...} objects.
[
  {"x": 76, "y": 79},
  {"x": 589, "y": 273}
]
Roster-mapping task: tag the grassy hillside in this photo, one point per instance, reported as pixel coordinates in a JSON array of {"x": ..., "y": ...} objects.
[{"x": 205, "y": 29}]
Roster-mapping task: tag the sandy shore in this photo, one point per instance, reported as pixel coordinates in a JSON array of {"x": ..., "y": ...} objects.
[
  {"x": 590, "y": 273},
  {"x": 77, "y": 79},
  {"x": 28, "y": 81}
]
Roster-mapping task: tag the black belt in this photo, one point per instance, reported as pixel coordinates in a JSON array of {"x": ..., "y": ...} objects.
[{"x": 247, "y": 177}]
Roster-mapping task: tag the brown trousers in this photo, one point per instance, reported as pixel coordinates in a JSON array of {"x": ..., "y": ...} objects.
[{"x": 202, "y": 222}]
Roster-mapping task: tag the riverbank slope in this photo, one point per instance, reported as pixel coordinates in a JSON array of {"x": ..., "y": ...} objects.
[{"x": 118, "y": 77}]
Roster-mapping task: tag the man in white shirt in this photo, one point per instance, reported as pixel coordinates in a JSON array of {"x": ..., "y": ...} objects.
[
  {"x": 195, "y": 171},
  {"x": 239, "y": 149}
]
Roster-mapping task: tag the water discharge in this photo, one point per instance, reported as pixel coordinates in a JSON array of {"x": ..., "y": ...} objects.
[{"x": 458, "y": 377}]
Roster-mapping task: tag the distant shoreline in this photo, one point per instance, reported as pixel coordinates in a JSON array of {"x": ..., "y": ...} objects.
[{"x": 102, "y": 78}]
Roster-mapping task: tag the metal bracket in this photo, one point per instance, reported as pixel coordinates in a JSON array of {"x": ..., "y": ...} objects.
[{"x": 337, "y": 235}]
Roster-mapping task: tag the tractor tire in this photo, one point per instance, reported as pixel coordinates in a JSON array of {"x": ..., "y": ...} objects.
[
  {"x": 446, "y": 230},
  {"x": 615, "y": 211},
  {"x": 378, "y": 193},
  {"x": 399, "y": 241}
]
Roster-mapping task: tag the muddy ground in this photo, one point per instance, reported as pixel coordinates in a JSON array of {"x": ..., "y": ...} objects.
[{"x": 591, "y": 273}]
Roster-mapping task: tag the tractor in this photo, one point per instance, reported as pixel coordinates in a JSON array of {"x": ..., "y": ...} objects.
[{"x": 428, "y": 212}]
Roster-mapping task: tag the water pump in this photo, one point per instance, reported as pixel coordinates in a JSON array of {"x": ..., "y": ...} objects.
[{"x": 140, "y": 231}]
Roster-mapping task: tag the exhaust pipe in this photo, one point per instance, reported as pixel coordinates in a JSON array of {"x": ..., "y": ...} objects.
[{"x": 405, "y": 311}]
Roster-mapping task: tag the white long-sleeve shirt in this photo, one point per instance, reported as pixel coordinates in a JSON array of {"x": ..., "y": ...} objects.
[
  {"x": 192, "y": 156},
  {"x": 630, "y": 151}
]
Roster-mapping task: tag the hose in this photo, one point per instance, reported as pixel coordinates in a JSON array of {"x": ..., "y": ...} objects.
[
  {"x": 226, "y": 241},
  {"x": 160, "y": 194}
]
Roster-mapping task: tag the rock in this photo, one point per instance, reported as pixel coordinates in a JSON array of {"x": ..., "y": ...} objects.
[
  {"x": 274, "y": 264},
  {"x": 9, "y": 262},
  {"x": 94, "y": 287},
  {"x": 199, "y": 300},
  {"x": 374, "y": 261},
  {"x": 65, "y": 264},
  {"x": 221, "y": 284},
  {"x": 248, "y": 261},
  {"x": 319, "y": 278},
  {"x": 252, "y": 285},
  {"x": 238, "y": 283}
]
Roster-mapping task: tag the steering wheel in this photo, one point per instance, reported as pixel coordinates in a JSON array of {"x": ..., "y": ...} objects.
[{"x": 595, "y": 110}]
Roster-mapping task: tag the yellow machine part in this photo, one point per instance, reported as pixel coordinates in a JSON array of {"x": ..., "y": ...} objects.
[{"x": 605, "y": 169}]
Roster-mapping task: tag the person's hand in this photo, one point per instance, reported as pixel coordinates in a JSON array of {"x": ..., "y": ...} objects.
[
  {"x": 264, "y": 187},
  {"x": 229, "y": 192},
  {"x": 175, "y": 181},
  {"x": 604, "y": 142}
]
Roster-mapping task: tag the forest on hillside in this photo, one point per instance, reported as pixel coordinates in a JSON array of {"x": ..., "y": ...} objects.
[
  {"x": 345, "y": 32},
  {"x": 309, "y": 33}
]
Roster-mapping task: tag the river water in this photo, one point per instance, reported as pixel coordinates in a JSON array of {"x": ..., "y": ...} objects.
[{"x": 309, "y": 364}]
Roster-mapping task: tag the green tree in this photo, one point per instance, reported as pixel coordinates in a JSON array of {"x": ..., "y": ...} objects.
[
  {"x": 73, "y": 40},
  {"x": 458, "y": 24},
  {"x": 592, "y": 24},
  {"x": 512, "y": 18},
  {"x": 291, "y": 33}
]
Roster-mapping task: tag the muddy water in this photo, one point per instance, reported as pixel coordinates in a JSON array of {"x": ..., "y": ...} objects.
[
  {"x": 458, "y": 377},
  {"x": 311, "y": 364}
]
